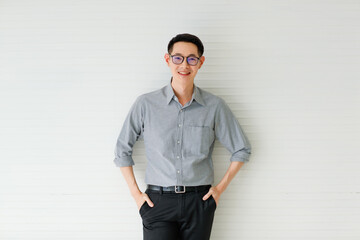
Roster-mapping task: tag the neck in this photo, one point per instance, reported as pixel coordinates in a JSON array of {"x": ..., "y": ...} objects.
[{"x": 183, "y": 90}]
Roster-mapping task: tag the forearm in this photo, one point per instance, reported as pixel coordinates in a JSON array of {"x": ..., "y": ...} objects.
[
  {"x": 229, "y": 175},
  {"x": 129, "y": 176}
]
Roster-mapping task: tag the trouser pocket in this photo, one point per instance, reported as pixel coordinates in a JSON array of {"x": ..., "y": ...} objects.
[{"x": 145, "y": 208}]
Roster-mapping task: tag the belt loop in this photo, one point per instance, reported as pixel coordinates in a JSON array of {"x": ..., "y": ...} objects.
[
  {"x": 161, "y": 190},
  {"x": 196, "y": 189}
]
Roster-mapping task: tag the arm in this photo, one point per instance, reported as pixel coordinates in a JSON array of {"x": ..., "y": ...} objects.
[
  {"x": 225, "y": 181},
  {"x": 138, "y": 196},
  {"x": 131, "y": 131},
  {"x": 232, "y": 137}
]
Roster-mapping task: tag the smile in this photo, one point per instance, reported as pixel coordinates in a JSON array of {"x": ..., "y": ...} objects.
[{"x": 184, "y": 73}]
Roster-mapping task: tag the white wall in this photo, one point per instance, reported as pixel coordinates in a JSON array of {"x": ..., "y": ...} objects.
[{"x": 69, "y": 71}]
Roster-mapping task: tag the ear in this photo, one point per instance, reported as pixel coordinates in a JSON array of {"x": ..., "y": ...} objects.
[
  {"x": 202, "y": 60},
  {"x": 167, "y": 58}
]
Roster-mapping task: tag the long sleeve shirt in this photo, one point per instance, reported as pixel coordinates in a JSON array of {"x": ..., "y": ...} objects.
[{"x": 179, "y": 140}]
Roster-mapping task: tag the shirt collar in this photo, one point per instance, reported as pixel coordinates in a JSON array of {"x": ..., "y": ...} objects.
[{"x": 170, "y": 94}]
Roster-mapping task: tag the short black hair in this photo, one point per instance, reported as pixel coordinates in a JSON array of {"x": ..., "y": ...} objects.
[{"x": 186, "y": 37}]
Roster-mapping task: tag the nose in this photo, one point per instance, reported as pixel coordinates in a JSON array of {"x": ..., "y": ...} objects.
[{"x": 185, "y": 63}]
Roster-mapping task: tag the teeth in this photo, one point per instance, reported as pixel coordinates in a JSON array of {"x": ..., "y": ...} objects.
[{"x": 183, "y": 72}]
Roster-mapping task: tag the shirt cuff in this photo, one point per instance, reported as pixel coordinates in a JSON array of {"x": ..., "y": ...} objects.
[
  {"x": 240, "y": 157},
  {"x": 124, "y": 161}
]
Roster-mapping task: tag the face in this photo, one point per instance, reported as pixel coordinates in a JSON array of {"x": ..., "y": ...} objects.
[{"x": 184, "y": 72}]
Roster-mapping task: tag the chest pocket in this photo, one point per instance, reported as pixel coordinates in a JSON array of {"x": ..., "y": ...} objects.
[{"x": 197, "y": 140}]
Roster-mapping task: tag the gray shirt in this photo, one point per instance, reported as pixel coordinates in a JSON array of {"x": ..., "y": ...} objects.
[{"x": 179, "y": 140}]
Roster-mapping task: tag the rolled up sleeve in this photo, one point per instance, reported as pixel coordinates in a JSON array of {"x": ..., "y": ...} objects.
[
  {"x": 230, "y": 134},
  {"x": 131, "y": 131}
]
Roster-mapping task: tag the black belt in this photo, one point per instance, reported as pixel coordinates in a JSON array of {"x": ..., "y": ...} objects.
[{"x": 178, "y": 189}]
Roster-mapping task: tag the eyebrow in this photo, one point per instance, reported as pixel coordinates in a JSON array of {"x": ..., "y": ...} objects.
[{"x": 191, "y": 55}]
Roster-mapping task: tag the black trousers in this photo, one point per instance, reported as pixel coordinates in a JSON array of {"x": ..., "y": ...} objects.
[{"x": 177, "y": 216}]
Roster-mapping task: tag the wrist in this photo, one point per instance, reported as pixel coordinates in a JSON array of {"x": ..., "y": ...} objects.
[
  {"x": 219, "y": 188},
  {"x": 136, "y": 193}
]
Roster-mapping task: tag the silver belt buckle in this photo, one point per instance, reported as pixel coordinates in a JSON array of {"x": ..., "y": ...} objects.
[{"x": 179, "y": 191}]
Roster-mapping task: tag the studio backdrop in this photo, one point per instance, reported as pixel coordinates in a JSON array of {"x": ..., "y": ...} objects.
[{"x": 70, "y": 71}]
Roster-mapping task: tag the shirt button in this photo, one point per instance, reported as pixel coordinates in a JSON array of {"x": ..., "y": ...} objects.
[
  {"x": 178, "y": 171},
  {"x": 179, "y": 125},
  {"x": 181, "y": 110},
  {"x": 178, "y": 142},
  {"x": 177, "y": 156}
]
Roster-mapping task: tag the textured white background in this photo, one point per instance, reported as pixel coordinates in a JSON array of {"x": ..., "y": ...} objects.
[{"x": 70, "y": 70}]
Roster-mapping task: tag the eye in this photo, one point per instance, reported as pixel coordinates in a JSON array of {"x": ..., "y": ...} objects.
[
  {"x": 177, "y": 58},
  {"x": 192, "y": 60}
]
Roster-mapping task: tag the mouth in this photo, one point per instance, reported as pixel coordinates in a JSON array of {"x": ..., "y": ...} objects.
[{"x": 184, "y": 73}]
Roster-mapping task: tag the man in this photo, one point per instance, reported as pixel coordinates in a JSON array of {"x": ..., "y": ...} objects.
[{"x": 179, "y": 124}]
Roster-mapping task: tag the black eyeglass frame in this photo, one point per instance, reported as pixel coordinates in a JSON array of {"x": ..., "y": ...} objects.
[{"x": 187, "y": 59}]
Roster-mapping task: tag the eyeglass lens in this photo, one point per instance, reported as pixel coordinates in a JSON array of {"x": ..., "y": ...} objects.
[{"x": 190, "y": 60}]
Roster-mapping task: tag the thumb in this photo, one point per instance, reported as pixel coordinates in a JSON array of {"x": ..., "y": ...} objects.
[
  {"x": 149, "y": 202},
  {"x": 206, "y": 196}
]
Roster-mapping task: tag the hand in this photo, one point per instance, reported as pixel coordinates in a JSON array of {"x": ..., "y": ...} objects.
[
  {"x": 215, "y": 194},
  {"x": 141, "y": 198}
]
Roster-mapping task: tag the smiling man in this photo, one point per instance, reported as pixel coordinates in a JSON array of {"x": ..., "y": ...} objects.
[{"x": 179, "y": 124}]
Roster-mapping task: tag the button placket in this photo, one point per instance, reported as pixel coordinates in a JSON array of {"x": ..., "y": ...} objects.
[{"x": 178, "y": 159}]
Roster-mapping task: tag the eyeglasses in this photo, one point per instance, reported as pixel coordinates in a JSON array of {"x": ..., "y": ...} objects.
[{"x": 178, "y": 59}]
